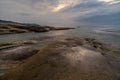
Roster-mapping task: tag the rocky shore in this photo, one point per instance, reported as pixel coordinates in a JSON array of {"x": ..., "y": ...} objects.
[
  {"x": 59, "y": 59},
  {"x": 12, "y": 28}
]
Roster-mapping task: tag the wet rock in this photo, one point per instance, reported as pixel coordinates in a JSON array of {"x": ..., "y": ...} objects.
[
  {"x": 19, "y": 56},
  {"x": 18, "y": 53}
]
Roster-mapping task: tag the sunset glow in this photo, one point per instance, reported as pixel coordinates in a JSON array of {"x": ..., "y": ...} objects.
[
  {"x": 106, "y": 0},
  {"x": 59, "y": 7}
]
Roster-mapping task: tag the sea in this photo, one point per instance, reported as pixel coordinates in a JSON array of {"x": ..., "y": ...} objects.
[{"x": 109, "y": 34}]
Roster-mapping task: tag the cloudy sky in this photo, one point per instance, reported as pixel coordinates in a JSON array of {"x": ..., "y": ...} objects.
[{"x": 62, "y": 12}]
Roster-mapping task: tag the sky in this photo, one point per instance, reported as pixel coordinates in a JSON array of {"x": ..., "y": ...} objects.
[{"x": 62, "y": 12}]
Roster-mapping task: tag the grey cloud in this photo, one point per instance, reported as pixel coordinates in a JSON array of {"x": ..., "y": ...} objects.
[
  {"x": 111, "y": 19},
  {"x": 39, "y": 11}
]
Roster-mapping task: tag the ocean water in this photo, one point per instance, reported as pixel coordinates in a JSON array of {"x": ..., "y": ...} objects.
[{"x": 106, "y": 34}]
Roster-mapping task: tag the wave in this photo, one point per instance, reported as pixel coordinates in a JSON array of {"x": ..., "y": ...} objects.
[{"x": 115, "y": 31}]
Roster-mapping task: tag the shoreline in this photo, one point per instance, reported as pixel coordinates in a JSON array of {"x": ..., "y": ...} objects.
[{"x": 12, "y": 28}]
